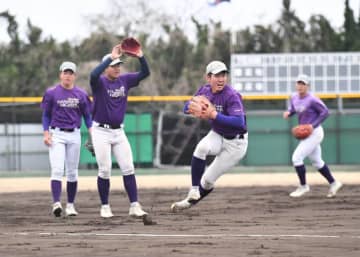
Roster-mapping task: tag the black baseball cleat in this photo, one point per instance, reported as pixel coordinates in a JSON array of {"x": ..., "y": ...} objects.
[{"x": 57, "y": 209}]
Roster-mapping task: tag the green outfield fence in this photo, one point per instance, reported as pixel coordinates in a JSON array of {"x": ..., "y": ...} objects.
[
  {"x": 138, "y": 128},
  {"x": 270, "y": 141}
]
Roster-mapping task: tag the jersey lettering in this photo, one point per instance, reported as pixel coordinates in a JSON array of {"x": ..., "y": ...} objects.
[
  {"x": 69, "y": 103},
  {"x": 116, "y": 93}
]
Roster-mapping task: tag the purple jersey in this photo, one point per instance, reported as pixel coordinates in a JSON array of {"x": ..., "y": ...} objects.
[
  {"x": 227, "y": 102},
  {"x": 65, "y": 107},
  {"x": 110, "y": 98},
  {"x": 310, "y": 109}
]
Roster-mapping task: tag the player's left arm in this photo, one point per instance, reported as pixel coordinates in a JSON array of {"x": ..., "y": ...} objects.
[
  {"x": 236, "y": 116},
  {"x": 85, "y": 108},
  {"x": 134, "y": 78},
  {"x": 237, "y": 122},
  {"x": 322, "y": 110},
  {"x": 144, "y": 68}
]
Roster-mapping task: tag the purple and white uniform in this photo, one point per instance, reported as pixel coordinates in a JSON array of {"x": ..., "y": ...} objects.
[
  {"x": 108, "y": 135},
  {"x": 226, "y": 142},
  {"x": 310, "y": 110},
  {"x": 62, "y": 112},
  {"x": 110, "y": 103}
]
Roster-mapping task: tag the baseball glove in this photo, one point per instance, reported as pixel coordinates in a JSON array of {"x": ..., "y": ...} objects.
[
  {"x": 130, "y": 46},
  {"x": 201, "y": 107},
  {"x": 302, "y": 131},
  {"x": 89, "y": 145}
]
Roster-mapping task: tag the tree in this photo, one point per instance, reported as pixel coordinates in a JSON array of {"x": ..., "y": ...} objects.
[
  {"x": 245, "y": 42},
  {"x": 220, "y": 47},
  {"x": 169, "y": 59},
  {"x": 139, "y": 17},
  {"x": 322, "y": 37},
  {"x": 12, "y": 29},
  {"x": 96, "y": 46},
  {"x": 292, "y": 30},
  {"x": 351, "y": 32},
  {"x": 202, "y": 35},
  {"x": 266, "y": 40},
  {"x": 33, "y": 33}
]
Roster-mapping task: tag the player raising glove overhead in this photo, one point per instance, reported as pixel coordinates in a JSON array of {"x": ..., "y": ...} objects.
[
  {"x": 227, "y": 140},
  {"x": 110, "y": 89}
]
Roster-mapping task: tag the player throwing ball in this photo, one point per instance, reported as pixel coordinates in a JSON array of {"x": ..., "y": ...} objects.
[
  {"x": 110, "y": 91},
  {"x": 310, "y": 110},
  {"x": 219, "y": 103},
  {"x": 63, "y": 106}
]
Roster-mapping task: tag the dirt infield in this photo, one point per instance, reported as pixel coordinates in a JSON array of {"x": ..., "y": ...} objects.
[{"x": 232, "y": 221}]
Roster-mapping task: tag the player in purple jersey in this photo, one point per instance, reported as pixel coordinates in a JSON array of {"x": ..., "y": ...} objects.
[
  {"x": 227, "y": 139},
  {"x": 110, "y": 92},
  {"x": 310, "y": 110},
  {"x": 63, "y": 106}
]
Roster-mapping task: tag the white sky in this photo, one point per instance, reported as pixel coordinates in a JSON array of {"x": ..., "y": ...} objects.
[{"x": 67, "y": 19}]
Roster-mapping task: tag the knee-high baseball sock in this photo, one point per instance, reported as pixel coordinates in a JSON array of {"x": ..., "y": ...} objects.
[
  {"x": 300, "y": 170},
  {"x": 325, "y": 171},
  {"x": 56, "y": 190},
  {"x": 197, "y": 170},
  {"x": 103, "y": 189},
  {"x": 71, "y": 188},
  {"x": 131, "y": 187}
]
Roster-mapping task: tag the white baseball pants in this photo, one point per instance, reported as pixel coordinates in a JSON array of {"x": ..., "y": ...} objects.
[
  {"x": 228, "y": 153},
  {"x": 64, "y": 154}
]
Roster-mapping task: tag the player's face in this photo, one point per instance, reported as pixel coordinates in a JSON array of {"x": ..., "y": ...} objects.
[
  {"x": 113, "y": 72},
  {"x": 301, "y": 88},
  {"x": 67, "y": 78},
  {"x": 217, "y": 81}
]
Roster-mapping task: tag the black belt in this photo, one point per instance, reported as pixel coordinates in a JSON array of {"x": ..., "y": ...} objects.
[
  {"x": 108, "y": 126},
  {"x": 240, "y": 136},
  {"x": 64, "y": 129}
]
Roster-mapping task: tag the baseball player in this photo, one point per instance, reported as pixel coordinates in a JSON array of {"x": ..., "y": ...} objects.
[
  {"x": 227, "y": 139},
  {"x": 63, "y": 106},
  {"x": 110, "y": 92},
  {"x": 310, "y": 110}
]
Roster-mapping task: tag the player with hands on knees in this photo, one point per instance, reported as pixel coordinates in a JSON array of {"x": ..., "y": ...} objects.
[
  {"x": 311, "y": 113},
  {"x": 110, "y": 91},
  {"x": 63, "y": 107},
  {"x": 227, "y": 140}
]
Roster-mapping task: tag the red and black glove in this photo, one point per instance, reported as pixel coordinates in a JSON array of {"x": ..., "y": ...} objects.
[{"x": 130, "y": 46}]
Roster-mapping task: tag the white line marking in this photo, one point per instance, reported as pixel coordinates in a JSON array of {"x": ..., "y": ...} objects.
[{"x": 55, "y": 234}]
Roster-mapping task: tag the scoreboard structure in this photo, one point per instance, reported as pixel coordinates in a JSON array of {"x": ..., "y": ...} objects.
[{"x": 275, "y": 74}]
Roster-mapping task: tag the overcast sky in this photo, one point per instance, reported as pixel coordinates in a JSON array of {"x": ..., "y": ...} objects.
[{"x": 67, "y": 19}]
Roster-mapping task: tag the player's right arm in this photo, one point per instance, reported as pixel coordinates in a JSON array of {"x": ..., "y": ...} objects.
[
  {"x": 186, "y": 105},
  {"x": 95, "y": 74},
  {"x": 47, "y": 138},
  {"x": 46, "y": 105},
  {"x": 290, "y": 112}
]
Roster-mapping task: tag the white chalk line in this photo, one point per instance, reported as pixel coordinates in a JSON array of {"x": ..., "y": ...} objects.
[{"x": 62, "y": 234}]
